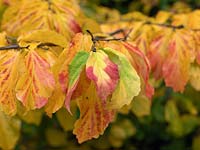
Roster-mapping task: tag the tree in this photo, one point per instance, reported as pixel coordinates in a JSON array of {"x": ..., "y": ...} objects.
[{"x": 53, "y": 55}]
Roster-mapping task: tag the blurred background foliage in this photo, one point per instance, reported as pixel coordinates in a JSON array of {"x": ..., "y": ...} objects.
[
  {"x": 170, "y": 122},
  {"x": 148, "y": 7}
]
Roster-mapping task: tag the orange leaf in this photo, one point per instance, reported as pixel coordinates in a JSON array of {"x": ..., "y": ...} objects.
[
  {"x": 158, "y": 51},
  {"x": 181, "y": 54},
  {"x": 8, "y": 78},
  {"x": 94, "y": 116},
  {"x": 37, "y": 83}
]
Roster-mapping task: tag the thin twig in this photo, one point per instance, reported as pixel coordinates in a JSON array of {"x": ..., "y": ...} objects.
[
  {"x": 116, "y": 32},
  {"x": 93, "y": 40}
]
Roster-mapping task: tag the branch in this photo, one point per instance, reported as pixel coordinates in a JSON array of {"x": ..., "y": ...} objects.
[
  {"x": 9, "y": 47},
  {"x": 17, "y": 47},
  {"x": 165, "y": 25}
]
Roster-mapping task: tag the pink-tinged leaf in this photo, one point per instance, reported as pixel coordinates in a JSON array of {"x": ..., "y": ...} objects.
[
  {"x": 104, "y": 73},
  {"x": 181, "y": 54},
  {"x": 158, "y": 51},
  {"x": 36, "y": 82},
  {"x": 9, "y": 61},
  {"x": 94, "y": 116},
  {"x": 142, "y": 66},
  {"x": 129, "y": 84}
]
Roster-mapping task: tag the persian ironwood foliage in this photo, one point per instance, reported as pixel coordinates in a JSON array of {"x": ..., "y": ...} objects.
[{"x": 52, "y": 62}]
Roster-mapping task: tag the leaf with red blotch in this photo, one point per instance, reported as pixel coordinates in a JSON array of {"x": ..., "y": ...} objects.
[
  {"x": 138, "y": 60},
  {"x": 104, "y": 73},
  {"x": 9, "y": 61},
  {"x": 142, "y": 66},
  {"x": 181, "y": 53},
  {"x": 94, "y": 116},
  {"x": 36, "y": 82},
  {"x": 129, "y": 84}
]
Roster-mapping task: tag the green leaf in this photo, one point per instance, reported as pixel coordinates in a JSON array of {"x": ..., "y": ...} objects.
[
  {"x": 129, "y": 82},
  {"x": 75, "y": 69},
  {"x": 76, "y": 66}
]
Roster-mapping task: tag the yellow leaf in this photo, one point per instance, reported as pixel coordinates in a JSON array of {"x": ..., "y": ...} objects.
[
  {"x": 65, "y": 119},
  {"x": 9, "y": 131},
  {"x": 44, "y": 36},
  {"x": 9, "y": 74}
]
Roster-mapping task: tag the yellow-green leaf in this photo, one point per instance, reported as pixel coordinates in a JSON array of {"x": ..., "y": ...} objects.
[
  {"x": 129, "y": 82},
  {"x": 9, "y": 131}
]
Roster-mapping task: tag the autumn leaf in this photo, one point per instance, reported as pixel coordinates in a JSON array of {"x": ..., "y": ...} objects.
[
  {"x": 181, "y": 54},
  {"x": 171, "y": 53},
  {"x": 8, "y": 79},
  {"x": 94, "y": 116},
  {"x": 129, "y": 82},
  {"x": 104, "y": 73},
  {"x": 142, "y": 36},
  {"x": 56, "y": 100},
  {"x": 37, "y": 83},
  {"x": 80, "y": 42},
  {"x": 44, "y": 36},
  {"x": 158, "y": 51}
]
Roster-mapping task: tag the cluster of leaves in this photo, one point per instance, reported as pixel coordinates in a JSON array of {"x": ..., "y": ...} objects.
[{"x": 52, "y": 55}]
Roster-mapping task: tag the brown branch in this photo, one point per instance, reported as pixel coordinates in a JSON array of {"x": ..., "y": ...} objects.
[
  {"x": 17, "y": 47},
  {"x": 14, "y": 46},
  {"x": 165, "y": 25}
]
